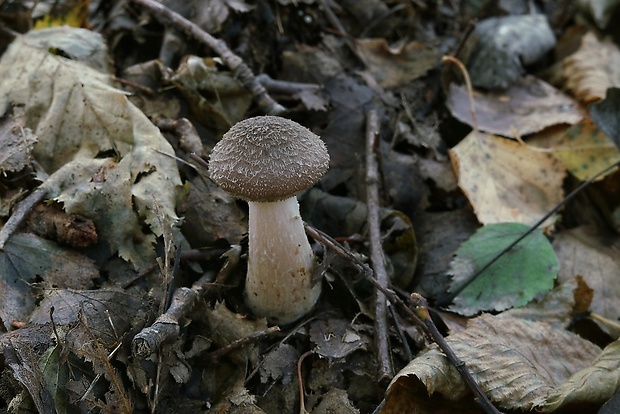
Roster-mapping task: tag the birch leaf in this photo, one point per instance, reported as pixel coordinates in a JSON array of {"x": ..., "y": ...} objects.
[{"x": 506, "y": 181}]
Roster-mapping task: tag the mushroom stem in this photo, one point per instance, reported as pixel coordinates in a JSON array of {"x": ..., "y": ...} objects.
[{"x": 279, "y": 282}]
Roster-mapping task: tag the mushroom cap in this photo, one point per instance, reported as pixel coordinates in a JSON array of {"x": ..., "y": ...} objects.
[{"x": 268, "y": 158}]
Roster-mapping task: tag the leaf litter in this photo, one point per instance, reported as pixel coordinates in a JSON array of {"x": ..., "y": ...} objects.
[{"x": 70, "y": 313}]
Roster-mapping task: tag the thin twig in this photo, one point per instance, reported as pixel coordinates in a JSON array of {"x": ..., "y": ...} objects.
[
  {"x": 285, "y": 87},
  {"x": 241, "y": 342},
  {"x": 241, "y": 71},
  {"x": 385, "y": 371},
  {"x": 302, "y": 404},
  {"x": 19, "y": 215}
]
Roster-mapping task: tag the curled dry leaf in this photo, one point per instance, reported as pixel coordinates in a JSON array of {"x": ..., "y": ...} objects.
[
  {"x": 506, "y": 181},
  {"x": 517, "y": 363},
  {"x": 593, "y": 69},
  {"x": 591, "y": 386}
]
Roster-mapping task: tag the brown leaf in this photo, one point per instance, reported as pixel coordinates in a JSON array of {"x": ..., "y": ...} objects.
[
  {"x": 593, "y": 69},
  {"x": 516, "y": 362},
  {"x": 592, "y": 385},
  {"x": 585, "y": 252},
  {"x": 528, "y": 106},
  {"x": 395, "y": 66}
]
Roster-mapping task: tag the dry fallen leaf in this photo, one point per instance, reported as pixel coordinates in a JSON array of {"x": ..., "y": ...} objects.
[
  {"x": 591, "y": 386},
  {"x": 80, "y": 118},
  {"x": 585, "y": 150},
  {"x": 528, "y": 106},
  {"x": 216, "y": 97},
  {"x": 584, "y": 252},
  {"x": 16, "y": 143},
  {"x": 517, "y": 363},
  {"x": 593, "y": 69},
  {"x": 25, "y": 259},
  {"x": 506, "y": 181},
  {"x": 395, "y": 66}
]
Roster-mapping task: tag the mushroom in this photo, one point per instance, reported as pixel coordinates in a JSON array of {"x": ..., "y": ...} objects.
[{"x": 266, "y": 161}]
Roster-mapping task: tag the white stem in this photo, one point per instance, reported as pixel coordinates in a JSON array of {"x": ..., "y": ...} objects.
[{"x": 280, "y": 263}]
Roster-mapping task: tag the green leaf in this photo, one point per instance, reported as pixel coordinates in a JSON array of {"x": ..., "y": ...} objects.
[{"x": 522, "y": 273}]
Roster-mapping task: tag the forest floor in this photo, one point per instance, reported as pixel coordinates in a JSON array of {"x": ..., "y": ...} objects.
[{"x": 472, "y": 195}]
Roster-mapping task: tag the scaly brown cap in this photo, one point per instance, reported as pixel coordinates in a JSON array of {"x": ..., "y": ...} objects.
[{"x": 268, "y": 158}]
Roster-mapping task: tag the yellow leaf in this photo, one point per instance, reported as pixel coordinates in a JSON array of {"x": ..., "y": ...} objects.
[
  {"x": 72, "y": 13},
  {"x": 506, "y": 181},
  {"x": 585, "y": 150}
]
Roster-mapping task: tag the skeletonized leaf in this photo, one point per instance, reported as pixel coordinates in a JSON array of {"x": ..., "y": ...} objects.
[
  {"x": 517, "y": 277},
  {"x": 515, "y": 362},
  {"x": 506, "y": 181}
]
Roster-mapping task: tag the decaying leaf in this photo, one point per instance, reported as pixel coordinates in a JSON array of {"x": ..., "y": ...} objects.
[
  {"x": 279, "y": 364},
  {"x": 593, "y": 69},
  {"x": 506, "y": 181},
  {"x": 227, "y": 326},
  {"x": 336, "y": 338},
  {"x": 212, "y": 214},
  {"x": 517, "y": 363},
  {"x": 591, "y": 386},
  {"x": 518, "y": 276},
  {"x": 557, "y": 307},
  {"x": 16, "y": 143},
  {"x": 584, "y": 252},
  {"x": 528, "y": 106},
  {"x": 395, "y": 66},
  {"x": 78, "y": 115},
  {"x": 216, "y": 97},
  {"x": 27, "y": 258},
  {"x": 335, "y": 401}
]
